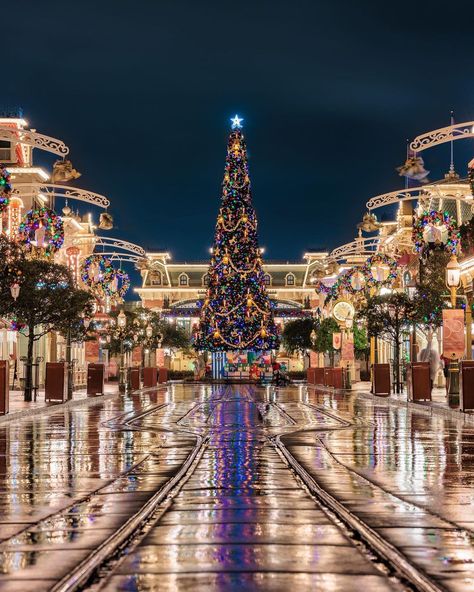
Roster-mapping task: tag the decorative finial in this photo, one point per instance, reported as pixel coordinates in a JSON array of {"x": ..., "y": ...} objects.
[{"x": 236, "y": 122}]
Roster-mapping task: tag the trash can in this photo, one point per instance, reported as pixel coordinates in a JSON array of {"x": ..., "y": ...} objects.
[
  {"x": 318, "y": 375},
  {"x": 337, "y": 378},
  {"x": 419, "y": 387},
  {"x": 466, "y": 397},
  {"x": 381, "y": 378},
  {"x": 4, "y": 387},
  {"x": 134, "y": 378},
  {"x": 328, "y": 377},
  {"x": 150, "y": 377},
  {"x": 55, "y": 384},
  {"x": 163, "y": 375},
  {"x": 95, "y": 379}
]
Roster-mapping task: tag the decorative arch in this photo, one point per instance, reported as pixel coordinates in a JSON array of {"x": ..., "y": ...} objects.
[{"x": 35, "y": 140}]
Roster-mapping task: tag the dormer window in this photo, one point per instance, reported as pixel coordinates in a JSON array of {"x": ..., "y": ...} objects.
[
  {"x": 205, "y": 279},
  {"x": 267, "y": 279},
  {"x": 290, "y": 279},
  {"x": 183, "y": 280},
  {"x": 156, "y": 278}
]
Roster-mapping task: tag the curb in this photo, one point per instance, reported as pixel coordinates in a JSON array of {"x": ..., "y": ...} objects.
[
  {"x": 54, "y": 408},
  {"x": 431, "y": 410}
]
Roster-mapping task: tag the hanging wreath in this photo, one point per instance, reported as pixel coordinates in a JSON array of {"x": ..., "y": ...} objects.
[
  {"x": 353, "y": 281},
  {"x": 42, "y": 229},
  {"x": 380, "y": 259},
  {"x": 97, "y": 272},
  {"x": 428, "y": 232},
  {"x": 5, "y": 188},
  {"x": 118, "y": 285}
]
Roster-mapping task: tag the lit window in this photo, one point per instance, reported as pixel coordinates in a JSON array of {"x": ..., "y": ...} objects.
[
  {"x": 156, "y": 279},
  {"x": 290, "y": 280},
  {"x": 183, "y": 280}
]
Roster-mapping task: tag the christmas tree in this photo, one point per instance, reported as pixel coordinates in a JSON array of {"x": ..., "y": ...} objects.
[{"x": 236, "y": 313}]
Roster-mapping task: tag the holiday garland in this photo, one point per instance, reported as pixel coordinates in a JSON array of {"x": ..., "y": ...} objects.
[
  {"x": 321, "y": 288},
  {"x": 42, "y": 228},
  {"x": 434, "y": 218},
  {"x": 380, "y": 259},
  {"x": 5, "y": 188}
]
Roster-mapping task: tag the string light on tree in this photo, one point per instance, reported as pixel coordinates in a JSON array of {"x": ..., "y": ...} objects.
[{"x": 236, "y": 313}]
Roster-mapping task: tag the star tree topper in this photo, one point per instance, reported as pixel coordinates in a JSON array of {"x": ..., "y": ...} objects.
[{"x": 236, "y": 122}]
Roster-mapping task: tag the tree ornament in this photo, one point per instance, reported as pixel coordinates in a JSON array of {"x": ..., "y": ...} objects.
[{"x": 42, "y": 229}]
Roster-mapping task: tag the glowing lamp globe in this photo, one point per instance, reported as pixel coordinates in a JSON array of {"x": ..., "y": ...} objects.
[
  {"x": 121, "y": 320},
  {"x": 453, "y": 273}
]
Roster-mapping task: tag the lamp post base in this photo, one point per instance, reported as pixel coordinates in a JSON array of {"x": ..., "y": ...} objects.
[{"x": 453, "y": 390}]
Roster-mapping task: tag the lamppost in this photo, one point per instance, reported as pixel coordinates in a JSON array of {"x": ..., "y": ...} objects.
[
  {"x": 149, "y": 334},
  {"x": 453, "y": 280},
  {"x": 121, "y": 324}
]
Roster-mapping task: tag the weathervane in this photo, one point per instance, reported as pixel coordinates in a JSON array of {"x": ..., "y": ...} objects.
[{"x": 236, "y": 122}]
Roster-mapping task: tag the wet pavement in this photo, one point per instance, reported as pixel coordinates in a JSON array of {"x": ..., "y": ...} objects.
[{"x": 240, "y": 519}]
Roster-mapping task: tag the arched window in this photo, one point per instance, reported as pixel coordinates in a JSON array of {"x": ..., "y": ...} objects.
[
  {"x": 290, "y": 279},
  {"x": 183, "y": 280},
  {"x": 205, "y": 279},
  {"x": 267, "y": 278},
  {"x": 156, "y": 278}
]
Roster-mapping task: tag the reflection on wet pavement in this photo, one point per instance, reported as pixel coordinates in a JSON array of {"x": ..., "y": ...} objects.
[{"x": 240, "y": 520}]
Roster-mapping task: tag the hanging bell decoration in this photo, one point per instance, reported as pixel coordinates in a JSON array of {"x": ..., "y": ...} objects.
[
  {"x": 414, "y": 168},
  {"x": 369, "y": 223},
  {"x": 106, "y": 221},
  {"x": 63, "y": 171}
]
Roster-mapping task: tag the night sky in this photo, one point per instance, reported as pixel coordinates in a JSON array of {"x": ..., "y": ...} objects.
[{"x": 142, "y": 93}]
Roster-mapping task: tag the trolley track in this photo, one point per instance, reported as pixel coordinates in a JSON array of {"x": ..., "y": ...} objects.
[
  {"x": 96, "y": 569},
  {"x": 99, "y": 564},
  {"x": 396, "y": 562}
]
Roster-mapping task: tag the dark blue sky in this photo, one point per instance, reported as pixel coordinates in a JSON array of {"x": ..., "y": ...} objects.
[{"x": 142, "y": 93}]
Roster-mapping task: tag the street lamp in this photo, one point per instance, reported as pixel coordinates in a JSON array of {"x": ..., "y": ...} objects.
[
  {"x": 453, "y": 280},
  {"x": 121, "y": 324}
]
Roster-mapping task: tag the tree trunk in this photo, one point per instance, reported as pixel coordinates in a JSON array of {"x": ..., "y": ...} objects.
[
  {"x": 29, "y": 366},
  {"x": 396, "y": 362}
]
